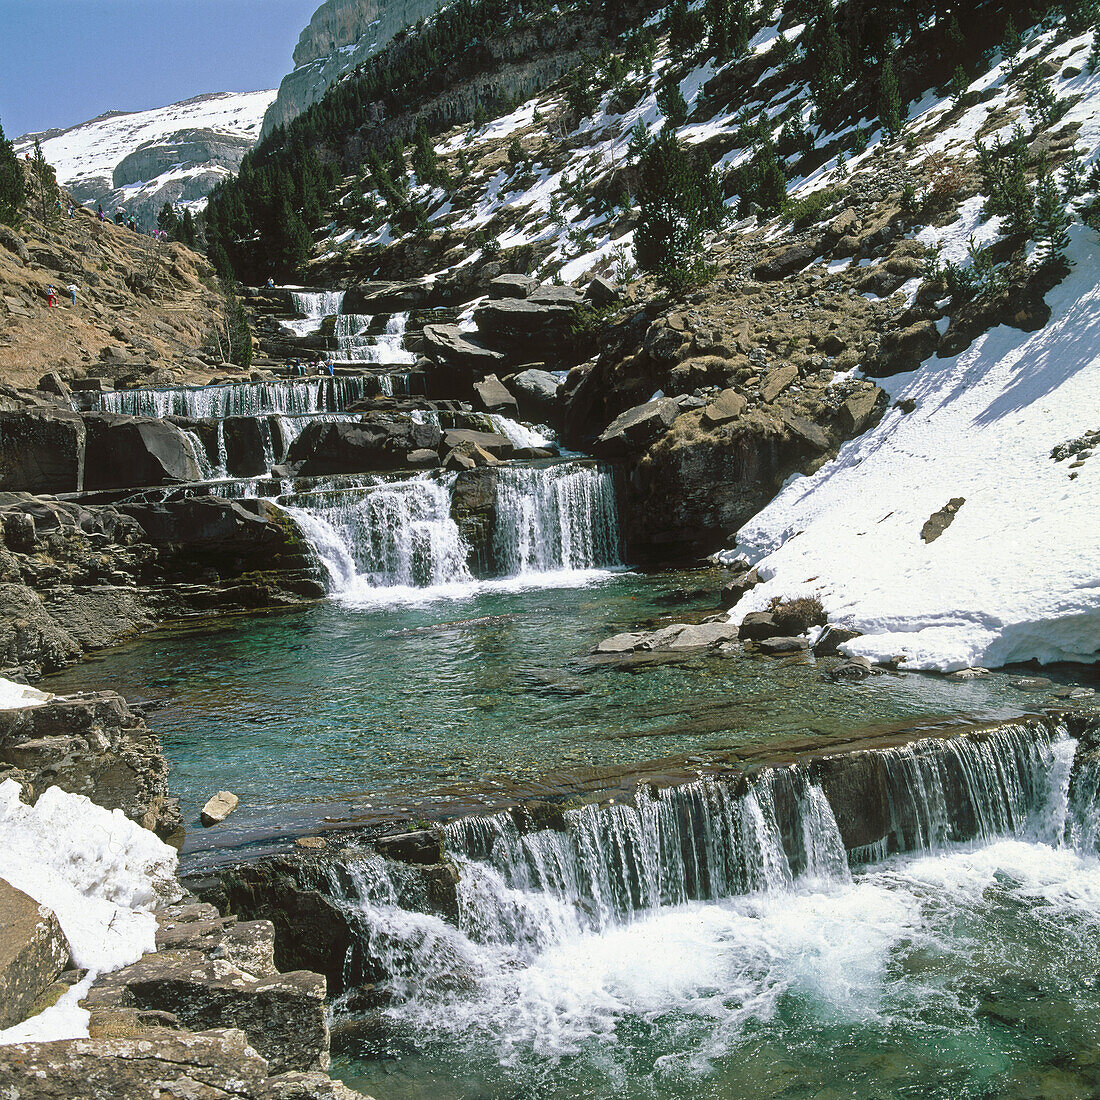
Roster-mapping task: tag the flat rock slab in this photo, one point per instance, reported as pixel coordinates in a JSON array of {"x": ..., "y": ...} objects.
[
  {"x": 33, "y": 951},
  {"x": 727, "y": 406}
]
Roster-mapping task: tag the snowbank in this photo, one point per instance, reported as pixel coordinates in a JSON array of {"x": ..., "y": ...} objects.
[
  {"x": 15, "y": 696},
  {"x": 1017, "y": 574},
  {"x": 99, "y": 872}
]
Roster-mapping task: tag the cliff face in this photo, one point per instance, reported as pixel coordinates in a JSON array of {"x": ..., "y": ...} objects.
[{"x": 341, "y": 35}]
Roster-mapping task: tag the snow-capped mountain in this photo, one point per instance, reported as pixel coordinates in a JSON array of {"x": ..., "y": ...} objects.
[{"x": 136, "y": 161}]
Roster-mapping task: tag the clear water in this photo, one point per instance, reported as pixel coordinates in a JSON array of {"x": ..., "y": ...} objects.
[{"x": 449, "y": 697}]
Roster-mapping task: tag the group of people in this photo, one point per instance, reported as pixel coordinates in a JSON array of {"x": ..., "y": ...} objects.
[
  {"x": 320, "y": 364},
  {"x": 51, "y": 294},
  {"x": 121, "y": 218}
]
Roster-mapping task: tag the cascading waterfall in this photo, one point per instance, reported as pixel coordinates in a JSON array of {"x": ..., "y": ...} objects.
[
  {"x": 356, "y": 342},
  {"x": 552, "y": 518},
  {"x": 298, "y": 397},
  {"x": 385, "y": 535},
  {"x": 317, "y": 304},
  {"x": 595, "y": 869}
]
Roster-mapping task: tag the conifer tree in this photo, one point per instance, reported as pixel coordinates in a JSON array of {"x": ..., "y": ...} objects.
[
  {"x": 169, "y": 221},
  {"x": 187, "y": 233},
  {"x": 889, "y": 99},
  {"x": 1051, "y": 220},
  {"x": 425, "y": 162},
  {"x": 47, "y": 185},
  {"x": 1010, "y": 42},
  {"x": 12, "y": 191},
  {"x": 671, "y": 103}
]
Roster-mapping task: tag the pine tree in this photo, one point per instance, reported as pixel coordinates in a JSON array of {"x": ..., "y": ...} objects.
[
  {"x": 425, "y": 162},
  {"x": 889, "y": 99},
  {"x": 12, "y": 190},
  {"x": 169, "y": 221},
  {"x": 47, "y": 185},
  {"x": 1010, "y": 42},
  {"x": 236, "y": 326},
  {"x": 1051, "y": 220},
  {"x": 1042, "y": 104},
  {"x": 187, "y": 233},
  {"x": 671, "y": 104}
]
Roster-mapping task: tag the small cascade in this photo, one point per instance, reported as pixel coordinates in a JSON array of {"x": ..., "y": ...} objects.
[
  {"x": 386, "y": 534},
  {"x": 358, "y": 341},
  {"x": 318, "y": 304},
  {"x": 202, "y": 459},
  {"x": 298, "y": 397},
  {"x": 552, "y": 518},
  {"x": 528, "y": 884}
]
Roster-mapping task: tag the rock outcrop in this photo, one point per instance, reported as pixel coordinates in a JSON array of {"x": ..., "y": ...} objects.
[
  {"x": 33, "y": 951},
  {"x": 91, "y": 745}
]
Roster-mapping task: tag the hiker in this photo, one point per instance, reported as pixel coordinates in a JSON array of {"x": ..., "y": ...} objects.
[
  {"x": 119, "y": 216},
  {"x": 51, "y": 296},
  {"x": 70, "y": 209},
  {"x": 99, "y": 212},
  {"x": 328, "y": 366},
  {"x": 270, "y": 284},
  {"x": 71, "y": 288}
]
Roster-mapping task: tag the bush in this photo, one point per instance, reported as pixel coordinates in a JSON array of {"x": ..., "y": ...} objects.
[{"x": 797, "y": 616}]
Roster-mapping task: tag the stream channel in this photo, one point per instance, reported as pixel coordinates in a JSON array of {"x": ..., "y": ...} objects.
[{"x": 419, "y": 691}]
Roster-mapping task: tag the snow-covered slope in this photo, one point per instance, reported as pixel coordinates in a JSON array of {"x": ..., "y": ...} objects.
[{"x": 139, "y": 160}]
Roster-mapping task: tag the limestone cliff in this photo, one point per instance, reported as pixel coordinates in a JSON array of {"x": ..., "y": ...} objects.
[{"x": 341, "y": 35}]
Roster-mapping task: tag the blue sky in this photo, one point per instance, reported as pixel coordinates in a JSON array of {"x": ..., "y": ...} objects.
[{"x": 64, "y": 61}]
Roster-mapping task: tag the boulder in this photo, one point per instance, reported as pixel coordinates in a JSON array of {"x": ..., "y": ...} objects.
[
  {"x": 513, "y": 325},
  {"x": 244, "y": 446},
  {"x": 732, "y": 591},
  {"x": 52, "y": 382},
  {"x": 757, "y": 625},
  {"x": 536, "y": 393},
  {"x": 858, "y": 412},
  {"x": 15, "y": 244},
  {"x": 375, "y": 298},
  {"x": 42, "y": 451},
  {"x": 777, "y": 380},
  {"x": 831, "y": 639},
  {"x": 727, "y": 406},
  {"x": 127, "y": 451},
  {"x": 449, "y": 344},
  {"x": 785, "y": 263},
  {"x": 283, "y": 1015},
  {"x": 218, "y": 808},
  {"x": 780, "y": 646},
  {"x": 939, "y": 521},
  {"x": 422, "y": 846},
  {"x": 905, "y": 349},
  {"x": 497, "y": 445},
  {"x": 637, "y": 427},
  {"x": 511, "y": 286},
  {"x": 33, "y": 951},
  {"x": 806, "y": 431},
  {"x": 602, "y": 293},
  {"x": 380, "y": 441},
  {"x": 29, "y": 637},
  {"x": 493, "y": 397}
]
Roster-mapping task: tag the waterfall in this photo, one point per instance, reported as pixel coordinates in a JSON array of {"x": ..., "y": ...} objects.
[
  {"x": 387, "y": 534},
  {"x": 358, "y": 344},
  {"x": 528, "y": 882},
  {"x": 552, "y": 518},
  {"x": 202, "y": 459},
  {"x": 318, "y": 304},
  {"x": 297, "y": 397}
]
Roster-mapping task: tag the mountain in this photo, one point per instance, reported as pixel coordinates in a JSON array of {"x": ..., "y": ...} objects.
[
  {"x": 136, "y": 161},
  {"x": 341, "y": 35}
]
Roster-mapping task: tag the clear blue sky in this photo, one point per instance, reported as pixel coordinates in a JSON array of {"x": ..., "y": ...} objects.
[{"x": 65, "y": 61}]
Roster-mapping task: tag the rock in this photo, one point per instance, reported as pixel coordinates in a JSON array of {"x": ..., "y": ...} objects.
[
  {"x": 52, "y": 382},
  {"x": 283, "y": 1015},
  {"x": 602, "y": 293},
  {"x": 635, "y": 428},
  {"x": 162, "y": 1063},
  {"x": 422, "y": 846},
  {"x": 244, "y": 446},
  {"x": 511, "y": 286},
  {"x": 786, "y": 262},
  {"x": 939, "y": 521},
  {"x": 703, "y": 636},
  {"x": 905, "y": 350},
  {"x": 806, "y": 431},
  {"x": 493, "y": 397},
  {"x": 127, "y": 451},
  {"x": 376, "y": 298},
  {"x": 732, "y": 591},
  {"x": 621, "y": 643},
  {"x": 91, "y": 745},
  {"x": 422, "y": 459},
  {"x": 556, "y": 295},
  {"x": 968, "y": 673},
  {"x": 449, "y": 344},
  {"x": 42, "y": 451},
  {"x": 380, "y": 441},
  {"x": 309, "y": 1086},
  {"x": 728, "y": 405},
  {"x": 831, "y": 639},
  {"x": 536, "y": 393},
  {"x": 776, "y": 381},
  {"x": 512, "y": 325},
  {"x": 777, "y": 647},
  {"x": 311, "y": 843},
  {"x": 858, "y": 412},
  {"x": 28, "y": 635},
  {"x": 855, "y": 668},
  {"x": 218, "y": 808},
  {"x": 33, "y": 951},
  {"x": 496, "y": 445},
  {"x": 15, "y": 244},
  {"x": 757, "y": 625}
]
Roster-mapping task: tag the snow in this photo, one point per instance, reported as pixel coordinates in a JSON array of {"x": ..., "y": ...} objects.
[
  {"x": 96, "y": 869},
  {"x": 94, "y": 148},
  {"x": 1016, "y": 576},
  {"x": 13, "y": 696}
]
